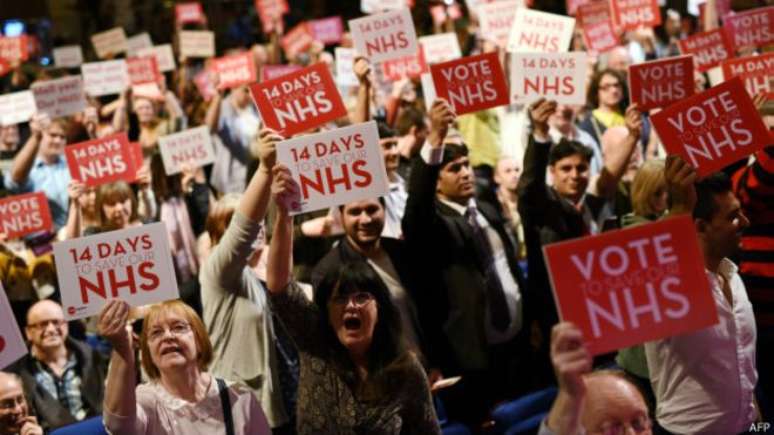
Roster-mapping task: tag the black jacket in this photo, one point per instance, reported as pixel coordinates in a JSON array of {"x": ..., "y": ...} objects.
[{"x": 91, "y": 367}]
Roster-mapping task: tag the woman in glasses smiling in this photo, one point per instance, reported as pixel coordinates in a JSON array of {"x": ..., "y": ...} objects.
[
  {"x": 181, "y": 398},
  {"x": 356, "y": 374}
]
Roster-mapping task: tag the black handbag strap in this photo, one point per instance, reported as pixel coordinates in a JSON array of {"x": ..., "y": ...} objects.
[{"x": 225, "y": 402}]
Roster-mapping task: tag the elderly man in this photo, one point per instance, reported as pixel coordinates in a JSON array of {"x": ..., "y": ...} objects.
[
  {"x": 15, "y": 418},
  {"x": 63, "y": 378}
]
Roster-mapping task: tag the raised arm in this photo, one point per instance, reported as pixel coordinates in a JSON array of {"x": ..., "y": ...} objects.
[
  {"x": 212, "y": 116},
  {"x": 571, "y": 360},
  {"x": 280, "y": 262},
  {"x": 22, "y": 164},
  {"x": 362, "y": 71},
  {"x": 617, "y": 156},
  {"x": 121, "y": 113},
  {"x": 533, "y": 192},
  {"x": 74, "y": 215},
  {"x": 680, "y": 179}
]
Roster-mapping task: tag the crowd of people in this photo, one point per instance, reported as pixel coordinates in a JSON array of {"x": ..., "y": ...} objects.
[{"x": 374, "y": 316}]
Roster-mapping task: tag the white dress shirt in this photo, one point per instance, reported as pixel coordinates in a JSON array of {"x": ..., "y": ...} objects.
[
  {"x": 704, "y": 381},
  {"x": 395, "y": 207}
]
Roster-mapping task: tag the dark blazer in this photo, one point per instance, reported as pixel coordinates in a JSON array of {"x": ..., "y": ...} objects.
[
  {"x": 441, "y": 244},
  {"x": 92, "y": 368}
]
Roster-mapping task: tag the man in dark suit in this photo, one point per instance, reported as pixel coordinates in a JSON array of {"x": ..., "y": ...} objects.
[{"x": 479, "y": 297}]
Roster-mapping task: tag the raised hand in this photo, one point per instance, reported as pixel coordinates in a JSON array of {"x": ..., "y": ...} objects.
[
  {"x": 539, "y": 112},
  {"x": 441, "y": 117},
  {"x": 285, "y": 190},
  {"x": 112, "y": 325},
  {"x": 362, "y": 70},
  {"x": 680, "y": 178},
  {"x": 267, "y": 148},
  {"x": 570, "y": 358}
]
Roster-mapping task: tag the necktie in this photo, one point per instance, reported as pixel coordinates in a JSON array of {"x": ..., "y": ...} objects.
[{"x": 498, "y": 307}]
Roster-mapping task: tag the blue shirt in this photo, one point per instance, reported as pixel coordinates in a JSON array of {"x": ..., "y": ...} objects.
[{"x": 50, "y": 179}]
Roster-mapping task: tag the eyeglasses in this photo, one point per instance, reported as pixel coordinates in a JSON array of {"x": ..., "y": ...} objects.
[
  {"x": 177, "y": 330},
  {"x": 639, "y": 425},
  {"x": 610, "y": 86},
  {"x": 44, "y": 324},
  {"x": 359, "y": 299},
  {"x": 12, "y": 402}
]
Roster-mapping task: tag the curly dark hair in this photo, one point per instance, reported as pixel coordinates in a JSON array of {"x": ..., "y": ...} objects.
[{"x": 592, "y": 97}]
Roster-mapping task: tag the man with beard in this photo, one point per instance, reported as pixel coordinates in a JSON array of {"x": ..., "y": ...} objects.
[{"x": 15, "y": 418}]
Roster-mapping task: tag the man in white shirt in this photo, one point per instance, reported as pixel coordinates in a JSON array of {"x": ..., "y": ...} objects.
[{"x": 704, "y": 381}]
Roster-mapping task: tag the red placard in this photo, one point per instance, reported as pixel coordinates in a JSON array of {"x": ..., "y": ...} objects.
[
  {"x": 299, "y": 101},
  {"x": 101, "y": 161},
  {"x": 5, "y": 67},
  {"x": 143, "y": 70},
  {"x": 411, "y": 67},
  {"x": 753, "y": 28},
  {"x": 297, "y": 40},
  {"x": 573, "y": 6},
  {"x": 189, "y": 13},
  {"x": 626, "y": 287},
  {"x": 472, "y": 83},
  {"x": 14, "y": 49},
  {"x": 756, "y": 71},
  {"x": 270, "y": 11},
  {"x": 708, "y": 48},
  {"x": 713, "y": 129},
  {"x": 271, "y": 72},
  {"x": 631, "y": 14},
  {"x": 596, "y": 20},
  {"x": 661, "y": 82},
  {"x": 24, "y": 214},
  {"x": 204, "y": 85},
  {"x": 327, "y": 30},
  {"x": 235, "y": 70}
]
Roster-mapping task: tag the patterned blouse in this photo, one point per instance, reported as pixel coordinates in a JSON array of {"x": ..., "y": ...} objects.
[{"x": 329, "y": 401}]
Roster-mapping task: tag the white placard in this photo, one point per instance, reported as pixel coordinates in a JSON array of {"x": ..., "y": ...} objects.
[
  {"x": 12, "y": 346},
  {"x": 109, "y": 77},
  {"x": 134, "y": 265},
  {"x": 110, "y": 42},
  {"x": 345, "y": 74},
  {"x": 165, "y": 58},
  {"x": 60, "y": 97},
  {"x": 17, "y": 107},
  {"x": 190, "y": 147},
  {"x": 385, "y": 36},
  {"x": 496, "y": 20},
  {"x": 68, "y": 56},
  {"x": 540, "y": 32},
  {"x": 335, "y": 167},
  {"x": 371, "y": 6},
  {"x": 197, "y": 43},
  {"x": 440, "y": 48},
  {"x": 137, "y": 42},
  {"x": 428, "y": 90},
  {"x": 556, "y": 76}
]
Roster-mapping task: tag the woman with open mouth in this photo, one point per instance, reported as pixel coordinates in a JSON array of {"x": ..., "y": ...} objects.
[{"x": 356, "y": 374}]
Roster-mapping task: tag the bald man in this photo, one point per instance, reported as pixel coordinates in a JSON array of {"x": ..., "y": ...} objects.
[
  {"x": 63, "y": 378},
  {"x": 15, "y": 418},
  {"x": 596, "y": 402}
]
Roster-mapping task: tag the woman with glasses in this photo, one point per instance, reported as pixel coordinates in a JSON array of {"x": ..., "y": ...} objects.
[
  {"x": 606, "y": 99},
  {"x": 356, "y": 374},
  {"x": 181, "y": 397}
]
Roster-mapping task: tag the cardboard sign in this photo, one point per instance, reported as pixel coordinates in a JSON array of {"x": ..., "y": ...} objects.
[
  {"x": 574, "y": 5},
  {"x": 372, "y": 6},
  {"x": 14, "y": 49},
  {"x": 133, "y": 264},
  {"x": 270, "y": 11},
  {"x": 109, "y": 43},
  {"x": 138, "y": 42},
  {"x": 335, "y": 167},
  {"x": 385, "y": 36},
  {"x": 428, "y": 90},
  {"x": 541, "y": 32},
  {"x": 165, "y": 59},
  {"x": 105, "y": 78},
  {"x": 442, "y": 13},
  {"x": 661, "y": 82},
  {"x": 634, "y": 285},
  {"x": 204, "y": 85},
  {"x": 497, "y": 19},
  {"x": 440, "y": 48},
  {"x": 596, "y": 20},
  {"x": 60, "y": 97},
  {"x": 189, "y": 13},
  {"x": 148, "y": 90},
  {"x": 17, "y": 107},
  {"x": 472, "y": 83},
  {"x": 327, "y": 30},
  {"x": 69, "y": 56},
  {"x": 271, "y": 72},
  {"x": 12, "y": 345},
  {"x": 754, "y": 28},
  {"x": 100, "y": 161},
  {"x": 756, "y": 71},
  {"x": 143, "y": 70},
  {"x": 632, "y": 14},
  {"x": 191, "y": 147},
  {"x": 712, "y": 129},
  {"x": 407, "y": 67},
  {"x": 556, "y": 76},
  {"x": 297, "y": 40},
  {"x": 345, "y": 59},
  {"x": 197, "y": 43},
  {"x": 235, "y": 70},
  {"x": 24, "y": 214},
  {"x": 299, "y": 101},
  {"x": 709, "y": 49}
]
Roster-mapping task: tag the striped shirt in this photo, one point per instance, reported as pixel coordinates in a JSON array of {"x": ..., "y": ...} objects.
[{"x": 66, "y": 389}]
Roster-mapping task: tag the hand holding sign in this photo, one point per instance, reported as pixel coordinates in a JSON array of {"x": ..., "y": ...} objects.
[
  {"x": 39, "y": 123},
  {"x": 362, "y": 70},
  {"x": 539, "y": 113},
  {"x": 570, "y": 358},
  {"x": 112, "y": 325},
  {"x": 633, "y": 121},
  {"x": 441, "y": 117},
  {"x": 285, "y": 190},
  {"x": 267, "y": 148},
  {"x": 680, "y": 178}
]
